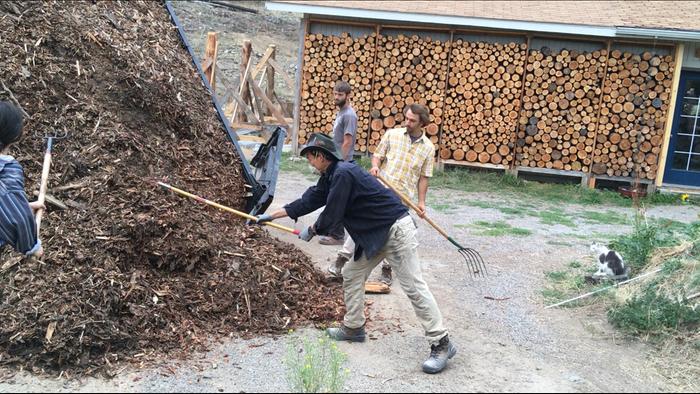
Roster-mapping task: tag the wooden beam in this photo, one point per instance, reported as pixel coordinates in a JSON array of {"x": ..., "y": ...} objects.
[
  {"x": 270, "y": 70},
  {"x": 244, "y": 82},
  {"x": 255, "y": 99},
  {"x": 261, "y": 95},
  {"x": 678, "y": 61},
  {"x": 248, "y": 111},
  {"x": 272, "y": 62},
  {"x": 210, "y": 53},
  {"x": 262, "y": 62},
  {"x": 246, "y": 50}
]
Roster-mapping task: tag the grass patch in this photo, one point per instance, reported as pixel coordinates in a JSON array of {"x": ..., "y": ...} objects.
[
  {"x": 568, "y": 283},
  {"x": 292, "y": 163},
  {"x": 479, "y": 204},
  {"x": 559, "y": 243},
  {"x": 477, "y": 181},
  {"x": 442, "y": 207},
  {"x": 556, "y": 216},
  {"x": 608, "y": 217},
  {"x": 500, "y": 228},
  {"x": 651, "y": 314},
  {"x": 665, "y": 308}
]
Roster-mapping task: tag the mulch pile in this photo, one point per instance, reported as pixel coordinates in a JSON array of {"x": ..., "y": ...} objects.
[{"x": 129, "y": 268}]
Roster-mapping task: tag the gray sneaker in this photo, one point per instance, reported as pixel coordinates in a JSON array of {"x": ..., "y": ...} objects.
[
  {"x": 336, "y": 269},
  {"x": 439, "y": 354},
  {"x": 343, "y": 333}
]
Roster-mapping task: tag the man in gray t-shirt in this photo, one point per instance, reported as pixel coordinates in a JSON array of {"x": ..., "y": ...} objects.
[
  {"x": 344, "y": 135},
  {"x": 345, "y": 125}
]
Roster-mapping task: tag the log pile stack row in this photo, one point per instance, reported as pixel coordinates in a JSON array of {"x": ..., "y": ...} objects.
[
  {"x": 560, "y": 109},
  {"x": 409, "y": 69},
  {"x": 326, "y": 60},
  {"x": 483, "y": 101},
  {"x": 635, "y": 103}
]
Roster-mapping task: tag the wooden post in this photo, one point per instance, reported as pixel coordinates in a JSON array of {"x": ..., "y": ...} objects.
[
  {"x": 678, "y": 64},
  {"x": 601, "y": 104},
  {"x": 270, "y": 90},
  {"x": 450, "y": 47},
  {"x": 246, "y": 50},
  {"x": 303, "y": 29},
  {"x": 210, "y": 53}
]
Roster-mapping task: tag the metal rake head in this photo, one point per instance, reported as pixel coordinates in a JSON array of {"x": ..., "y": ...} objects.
[{"x": 475, "y": 264}]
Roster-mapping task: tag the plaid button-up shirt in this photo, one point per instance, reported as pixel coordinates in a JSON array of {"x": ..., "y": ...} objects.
[{"x": 404, "y": 162}]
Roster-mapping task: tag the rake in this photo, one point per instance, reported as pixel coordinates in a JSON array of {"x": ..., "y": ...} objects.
[
  {"x": 50, "y": 137},
  {"x": 225, "y": 208},
  {"x": 473, "y": 259}
]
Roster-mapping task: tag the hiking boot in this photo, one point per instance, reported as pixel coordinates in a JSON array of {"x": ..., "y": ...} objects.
[
  {"x": 336, "y": 269},
  {"x": 326, "y": 240},
  {"x": 439, "y": 354},
  {"x": 386, "y": 275},
  {"x": 343, "y": 333}
]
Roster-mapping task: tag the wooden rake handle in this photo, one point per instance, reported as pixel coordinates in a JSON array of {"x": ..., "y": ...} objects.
[
  {"x": 225, "y": 208},
  {"x": 410, "y": 203},
  {"x": 44, "y": 183}
]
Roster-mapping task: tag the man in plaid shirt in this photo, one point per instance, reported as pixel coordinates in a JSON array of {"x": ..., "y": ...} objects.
[{"x": 405, "y": 157}]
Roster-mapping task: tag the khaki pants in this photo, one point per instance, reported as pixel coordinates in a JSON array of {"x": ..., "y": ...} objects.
[
  {"x": 401, "y": 253},
  {"x": 348, "y": 250}
]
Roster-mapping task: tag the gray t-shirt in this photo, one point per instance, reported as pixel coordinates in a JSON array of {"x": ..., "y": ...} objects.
[{"x": 345, "y": 123}]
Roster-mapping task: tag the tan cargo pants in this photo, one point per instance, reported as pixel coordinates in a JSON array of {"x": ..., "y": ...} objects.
[{"x": 401, "y": 253}]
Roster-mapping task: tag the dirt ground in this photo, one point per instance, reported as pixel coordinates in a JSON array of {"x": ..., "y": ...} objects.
[{"x": 512, "y": 345}]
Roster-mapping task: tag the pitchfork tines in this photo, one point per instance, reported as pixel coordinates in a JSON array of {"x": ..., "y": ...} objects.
[{"x": 475, "y": 263}]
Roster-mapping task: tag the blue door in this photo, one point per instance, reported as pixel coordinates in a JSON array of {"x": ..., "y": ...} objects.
[{"x": 683, "y": 163}]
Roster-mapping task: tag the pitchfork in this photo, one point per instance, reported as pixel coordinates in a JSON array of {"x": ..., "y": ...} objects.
[
  {"x": 45, "y": 172},
  {"x": 475, "y": 263}
]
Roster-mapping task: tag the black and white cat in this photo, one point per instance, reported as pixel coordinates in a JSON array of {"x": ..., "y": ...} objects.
[{"x": 610, "y": 262}]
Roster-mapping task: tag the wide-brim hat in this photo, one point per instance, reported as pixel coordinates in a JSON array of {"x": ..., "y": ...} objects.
[{"x": 322, "y": 142}]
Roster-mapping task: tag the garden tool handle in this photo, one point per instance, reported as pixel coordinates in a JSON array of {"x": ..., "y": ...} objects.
[
  {"x": 44, "y": 183},
  {"x": 225, "y": 208},
  {"x": 415, "y": 208}
]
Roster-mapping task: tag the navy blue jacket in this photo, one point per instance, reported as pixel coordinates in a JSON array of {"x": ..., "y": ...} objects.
[
  {"x": 354, "y": 199},
  {"x": 17, "y": 223}
]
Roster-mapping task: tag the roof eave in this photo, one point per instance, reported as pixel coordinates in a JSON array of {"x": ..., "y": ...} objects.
[{"x": 485, "y": 23}]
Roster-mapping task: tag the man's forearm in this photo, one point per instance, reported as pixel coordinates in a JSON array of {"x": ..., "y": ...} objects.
[
  {"x": 376, "y": 161},
  {"x": 422, "y": 189},
  {"x": 279, "y": 213},
  {"x": 347, "y": 145}
]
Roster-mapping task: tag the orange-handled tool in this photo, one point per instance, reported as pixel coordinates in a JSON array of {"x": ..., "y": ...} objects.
[{"x": 225, "y": 208}]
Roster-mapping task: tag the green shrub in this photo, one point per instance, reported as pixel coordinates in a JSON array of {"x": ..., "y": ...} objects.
[
  {"x": 653, "y": 314},
  {"x": 315, "y": 365},
  {"x": 636, "y": 247}
]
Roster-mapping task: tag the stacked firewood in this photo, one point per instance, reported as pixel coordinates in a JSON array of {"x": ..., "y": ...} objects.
[
  {"x": 482, "y": 103},
  {"x": 328, "y": 59},
  {"x": 635, "y": 102},
  {"x": 409, "y": 69},
  {"x": 560, "y": 105}
]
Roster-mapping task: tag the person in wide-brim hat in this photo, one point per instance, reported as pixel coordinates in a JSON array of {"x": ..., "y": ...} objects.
[{"x": 381, "y": 227}]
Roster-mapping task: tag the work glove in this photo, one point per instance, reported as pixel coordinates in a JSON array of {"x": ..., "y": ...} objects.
[
  {"x": 261, "y": 219},
  {"x": 307, "y": 234}
]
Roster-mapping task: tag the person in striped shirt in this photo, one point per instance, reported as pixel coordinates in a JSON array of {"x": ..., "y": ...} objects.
[
  {"x": 405, "y": 157},
  {"x": 17, "y": 223}
]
